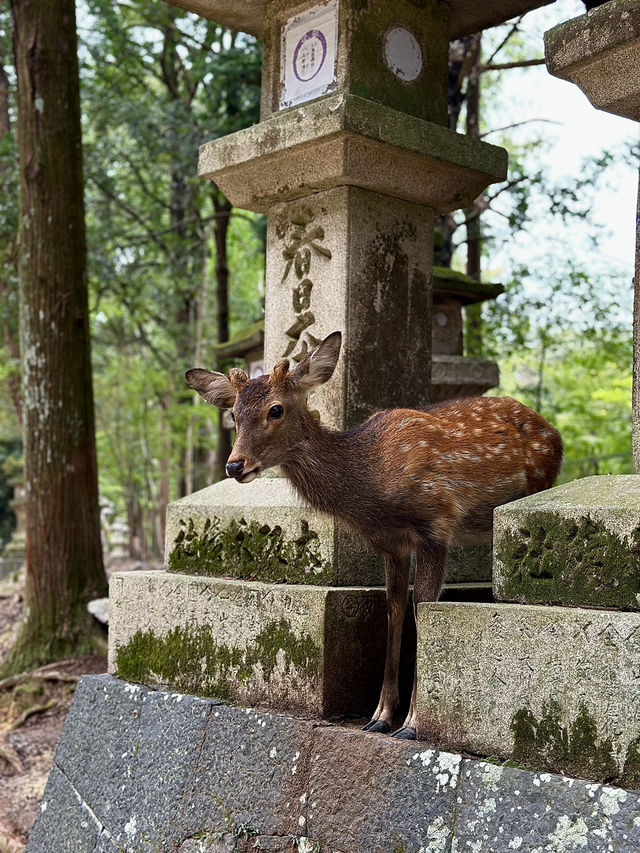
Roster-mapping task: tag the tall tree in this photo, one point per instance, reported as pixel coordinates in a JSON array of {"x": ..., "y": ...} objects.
[{"x": 64, "y": 557}]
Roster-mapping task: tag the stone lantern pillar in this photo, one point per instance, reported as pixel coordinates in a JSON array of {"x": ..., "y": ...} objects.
[{"x": 351, "y": 162}]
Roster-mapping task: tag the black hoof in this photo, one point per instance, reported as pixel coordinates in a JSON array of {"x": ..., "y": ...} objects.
[
  {"x": 405, "y": 733},
  {"x": 377, "y": 726}
]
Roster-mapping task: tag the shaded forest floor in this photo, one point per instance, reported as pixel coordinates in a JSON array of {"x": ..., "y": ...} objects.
[{"x": 33, "y": 708}]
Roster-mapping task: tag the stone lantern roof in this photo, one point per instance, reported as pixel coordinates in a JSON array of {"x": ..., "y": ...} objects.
[{"x": 467, "y": 16}]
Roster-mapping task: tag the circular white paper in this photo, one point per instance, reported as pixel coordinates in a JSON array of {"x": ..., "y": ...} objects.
[{"x": 403, "y": 54}]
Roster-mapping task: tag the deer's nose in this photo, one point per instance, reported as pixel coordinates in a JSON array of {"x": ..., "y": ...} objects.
[{"x": 235, "y": 469}]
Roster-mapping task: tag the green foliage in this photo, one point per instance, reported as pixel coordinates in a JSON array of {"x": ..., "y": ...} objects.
[{"x": 157, "y": 83}]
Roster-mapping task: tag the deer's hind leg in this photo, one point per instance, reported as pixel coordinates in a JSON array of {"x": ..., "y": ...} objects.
[
  {"x": 430, "y": 560},
  {"x": 396, "y": 567}
]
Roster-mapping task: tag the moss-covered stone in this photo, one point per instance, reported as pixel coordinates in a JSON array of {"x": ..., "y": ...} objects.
[
  {"x": 192, "y": 662},
  {"x": 249, "y": 551},
  {"x": 630, "y": 777},
  {"x": 575, "y": 750},
  {"x": 550, "y": 559}
]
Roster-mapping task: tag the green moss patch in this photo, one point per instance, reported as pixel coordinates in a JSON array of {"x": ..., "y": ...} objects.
[
  {"x": 249, "y": 551},
  {"x": 190, "y": 660},
  {"x": 546, "y": 744},
  {"x": 555, "y": 560}
]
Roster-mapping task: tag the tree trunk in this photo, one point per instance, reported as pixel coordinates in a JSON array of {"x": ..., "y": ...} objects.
[
  {"x": 222, "y": 208},
  {"x": 473, "y": 313},
  {"x": 64, "y": 567},
  {"x": 8, "y": 249}
]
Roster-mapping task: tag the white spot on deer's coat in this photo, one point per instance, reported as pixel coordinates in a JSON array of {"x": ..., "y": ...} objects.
[{"x": 404, "y": 448}]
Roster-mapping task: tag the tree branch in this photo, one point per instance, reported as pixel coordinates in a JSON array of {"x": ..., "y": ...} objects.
[{"x": 502, "y": 66}]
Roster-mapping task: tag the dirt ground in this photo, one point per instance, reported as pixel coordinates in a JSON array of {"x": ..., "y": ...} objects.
[{"x": 33, "y": 708}]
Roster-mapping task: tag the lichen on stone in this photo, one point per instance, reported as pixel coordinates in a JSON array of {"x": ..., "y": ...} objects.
[
  {"x": 191, "y": 661},
  {"x": 546, "y": 744},
  {"x": 554, "y": 560},
  {"x": 249, "y": 551}
]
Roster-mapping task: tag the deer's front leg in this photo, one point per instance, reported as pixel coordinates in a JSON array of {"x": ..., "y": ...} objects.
[
  {"x": 430, "y": 559},
  {"x": 397, "y": 581}
]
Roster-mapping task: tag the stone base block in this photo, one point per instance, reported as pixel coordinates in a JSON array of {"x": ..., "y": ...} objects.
[
  {"x": 577, "y": 545},
  {"x": 262, "y": 531},
  {"x": 551, "y": 688},
  {"x": 318, "y": 651},
  {"x": 454, "y": 376},
  {"x": 139, "y": 770}
]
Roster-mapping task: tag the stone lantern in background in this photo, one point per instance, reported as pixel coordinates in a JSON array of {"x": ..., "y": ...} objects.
[
  {"x": 15, "y": 550},
  {"x": 453, "y": 374}
]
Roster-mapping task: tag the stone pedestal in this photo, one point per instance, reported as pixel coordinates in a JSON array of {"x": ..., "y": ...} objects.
[
  {"x": 14, "y": 552},
  {"x": 454, "y": 375},
  {"x": 317, "y": 651},
  {"x": 553, "y": 688},
  {"x": 576, "y": 545}
]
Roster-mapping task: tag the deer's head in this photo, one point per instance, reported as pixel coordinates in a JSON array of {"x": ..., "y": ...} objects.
[{"x": 268, "y": 411}]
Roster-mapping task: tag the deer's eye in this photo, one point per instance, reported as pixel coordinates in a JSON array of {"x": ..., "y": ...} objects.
[{"x": 276, "y": 412}]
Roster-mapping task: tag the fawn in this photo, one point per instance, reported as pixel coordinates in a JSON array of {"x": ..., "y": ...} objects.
[{"x": 411, "y": 482}]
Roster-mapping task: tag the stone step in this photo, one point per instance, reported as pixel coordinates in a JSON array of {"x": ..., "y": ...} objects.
[
  {"x": 316, "y": 651},
  {"x": 576, "y": 545},
  {"x": 142, "y": 770},
  {"x": 552, "y": 688}
]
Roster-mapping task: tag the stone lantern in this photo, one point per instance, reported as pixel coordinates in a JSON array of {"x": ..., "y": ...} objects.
[
  {"x": 351, "y": 162},
  {"x": 453, "y": 374}
]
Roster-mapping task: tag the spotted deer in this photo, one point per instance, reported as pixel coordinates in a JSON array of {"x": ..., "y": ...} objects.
[{"x": 409, "y": 481}]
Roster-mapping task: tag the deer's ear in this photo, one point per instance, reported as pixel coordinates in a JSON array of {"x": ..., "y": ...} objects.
[
  {"x": 317, "y": 368},
  {"x": 214, "y": 387}
]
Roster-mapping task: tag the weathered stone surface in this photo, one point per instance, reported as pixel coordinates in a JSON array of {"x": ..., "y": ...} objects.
[
  {"x": 352, "y": 260},
  {"x": 505, "y": 809},
  {"x": 273, "y": 537},
  {"x": 555, "y": 688},
  {"x": 600, "y": 53},
  {"x": 576, "y": 544},
  {"x": 467, "y": 16},
  {"x": 315, "y": 650},
  {"x": 69, "y": 820},
  {"x": 403, "y": 798},
  {"x": 241, "y": 780},
  {"x": 454, "y": 376},
  {"x": 340, "y": 140}
]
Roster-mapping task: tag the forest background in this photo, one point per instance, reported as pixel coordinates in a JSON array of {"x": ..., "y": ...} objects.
[{"x": 174, "y": 269}]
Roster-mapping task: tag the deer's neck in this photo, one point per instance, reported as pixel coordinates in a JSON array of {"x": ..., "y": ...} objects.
[{"x": 327, "y": 468}]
